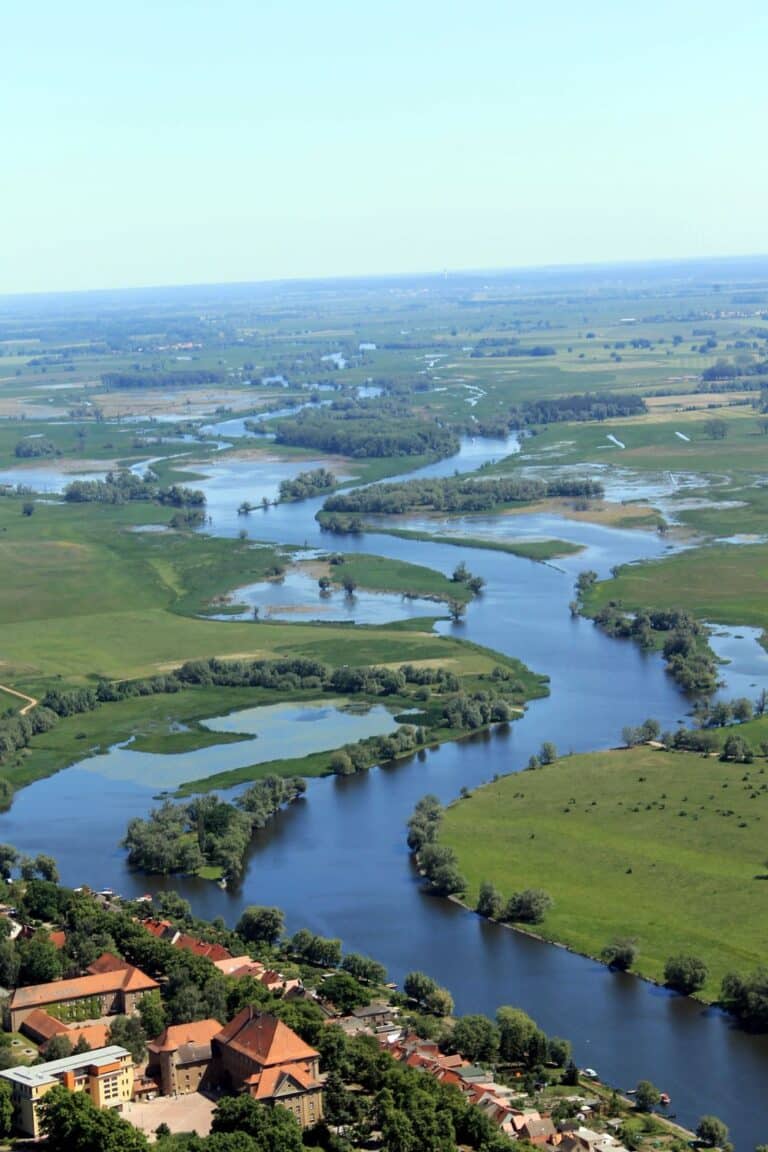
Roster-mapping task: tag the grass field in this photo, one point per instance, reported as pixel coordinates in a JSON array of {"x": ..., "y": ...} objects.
[
  {"x": 528, "y": 549},
  {"x": 725, "y": 584},
  {"x": 666, "y": 848},
  {"x": 83, "y": 596},
  {"x": 381, "y": 574}
]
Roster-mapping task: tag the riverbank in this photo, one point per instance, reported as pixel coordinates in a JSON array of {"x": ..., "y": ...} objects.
[{"x": 663, "y": 849}]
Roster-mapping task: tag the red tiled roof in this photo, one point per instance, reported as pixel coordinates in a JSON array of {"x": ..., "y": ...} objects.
[
  {"x": 95, "y": 1035},
  {"x": 156, "y": 927},
  {"x": 264, "y": 1086},
  {"x": 107, "y": 962},
  {"x": 200, "y": 1032},
  {"x": 42, "y": 1026},
  {"x": 265, "y": 1039},
  {"x": 202, "y": 948},
  {"x": 58, "y": 939},
  {"x": 128, "y": 979}
]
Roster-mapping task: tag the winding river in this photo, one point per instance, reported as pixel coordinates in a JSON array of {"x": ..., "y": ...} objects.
[{"x": 338, "y": 863}]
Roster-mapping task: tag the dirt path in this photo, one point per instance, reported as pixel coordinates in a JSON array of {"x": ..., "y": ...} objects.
[{"x": 31, "y": 702}]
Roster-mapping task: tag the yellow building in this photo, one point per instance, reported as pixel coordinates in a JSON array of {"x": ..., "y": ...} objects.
[{"x": 106, "y": 1074}]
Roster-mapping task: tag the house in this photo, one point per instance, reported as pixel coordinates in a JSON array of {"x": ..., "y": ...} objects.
[
  {"x": 164, "y": 930},
  {"x": 100, "y": 993},
  {"x": 106, "y": 1075},
  {"x": 180, "y": 1058},
  {"x": 41, "y": 1027},
  {"x": 258, "y": 1054},
  {"x": 539, "y": 1132}
]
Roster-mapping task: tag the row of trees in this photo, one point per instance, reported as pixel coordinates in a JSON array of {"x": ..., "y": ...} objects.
[
  {"x": 149, "y": 378},
  {"x": 584, "y": 406},
  {"x": 456, "y": 494},
  {"x": 123, "y": 486}
]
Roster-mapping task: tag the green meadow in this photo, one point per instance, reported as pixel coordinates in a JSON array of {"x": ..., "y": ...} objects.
[
  {"x": 724, "y": 583},
  {"x": 665, "y": 848}
]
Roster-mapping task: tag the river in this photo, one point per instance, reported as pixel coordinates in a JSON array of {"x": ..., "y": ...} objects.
[{"x": 337, "y": 862}]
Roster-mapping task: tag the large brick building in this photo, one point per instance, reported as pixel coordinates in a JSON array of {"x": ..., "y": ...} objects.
[
  {"x": 258, "y": 1054},
  {"x": 180, "y": 1058},
  {"x": 116, "y": 991}
]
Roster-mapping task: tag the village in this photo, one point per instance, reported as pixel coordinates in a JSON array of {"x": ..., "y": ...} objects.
[{"x": 69, "y": 1031}]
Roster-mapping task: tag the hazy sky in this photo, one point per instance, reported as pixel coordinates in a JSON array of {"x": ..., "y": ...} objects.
[{"x": 172, "y": 141}]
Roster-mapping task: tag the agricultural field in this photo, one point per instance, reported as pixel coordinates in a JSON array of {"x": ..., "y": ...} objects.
[{"x": 665, "y": 848}]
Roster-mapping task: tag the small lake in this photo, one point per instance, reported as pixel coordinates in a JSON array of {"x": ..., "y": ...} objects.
[
  {"x": 279, "y": 731},
  {"x": 297, "y": 597}
]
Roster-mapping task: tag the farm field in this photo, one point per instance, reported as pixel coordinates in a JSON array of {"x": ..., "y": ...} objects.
[{"x": 664, "y": 848}]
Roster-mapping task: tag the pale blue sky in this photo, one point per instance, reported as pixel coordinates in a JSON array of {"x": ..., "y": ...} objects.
[{"x": 174, "y": 141}]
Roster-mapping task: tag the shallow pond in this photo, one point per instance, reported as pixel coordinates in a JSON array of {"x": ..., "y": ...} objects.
[{"x": 296, "y": 596}]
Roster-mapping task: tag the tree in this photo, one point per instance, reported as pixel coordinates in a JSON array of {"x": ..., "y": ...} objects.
[
  {"x": 547, "y": 753},
  {"x": 685, "y": 973},
  {"x": 344, "y": 992},
  {"x": 127, "y": 1031},
  {"x": 152, "y": 1014},
  {"x": 457, "y": 610},
  {"x": 439, "y": 1002},
  {"x": 9, "y": 858},
  {"x": 712, "y": 1131},
  {"x": 529, "y": 906},
  {"x": 476, "y": 1038},
  {"x": 363, "y": 968},
  {"x": 417, "y": 985},
  {"x": 647, "y": 1096},
  {"x": 40, "y": 961},
  {"x": 489, "y": 901},
  {"x": 46, "y": 868},
  {"x": 559, "y": 1051},
  {"x": 72, "y": 1123},
  {"x": 273, "y": 1129},
  {"x": 261, "y": 925},
  {"x": 6, "y": 1108},
  {"x": 516, "y": 1029},
  {"x": 58, "y": 1047},
  {"x": 716, "y": 429},
  {"x": 621, "y": 954}
]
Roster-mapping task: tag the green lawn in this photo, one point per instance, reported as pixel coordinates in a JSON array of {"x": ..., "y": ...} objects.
[
  {"x": 381, "y": 574},
  {"x": 667, "y": 848},
  {"x": 725, "y": 584}
]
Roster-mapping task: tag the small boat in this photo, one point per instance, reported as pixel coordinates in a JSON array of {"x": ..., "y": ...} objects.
[
  {"x": 665, "y": 1099},
  {"x": 590, "y": 1072}
]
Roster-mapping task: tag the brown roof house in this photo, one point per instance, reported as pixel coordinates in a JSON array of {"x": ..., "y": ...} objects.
[
  {"x": 100, "y": 994},
  {"x": 258, "y": 1054},
  {"x": 180, "y": 1058}
]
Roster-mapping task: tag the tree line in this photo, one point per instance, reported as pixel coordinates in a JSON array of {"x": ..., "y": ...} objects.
[
  {"x": 456, "y": 494},
  {"x": 585, "y": 406},
  {"x": 147, "y": 378},
  {"x": 123, "y": 486}
]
